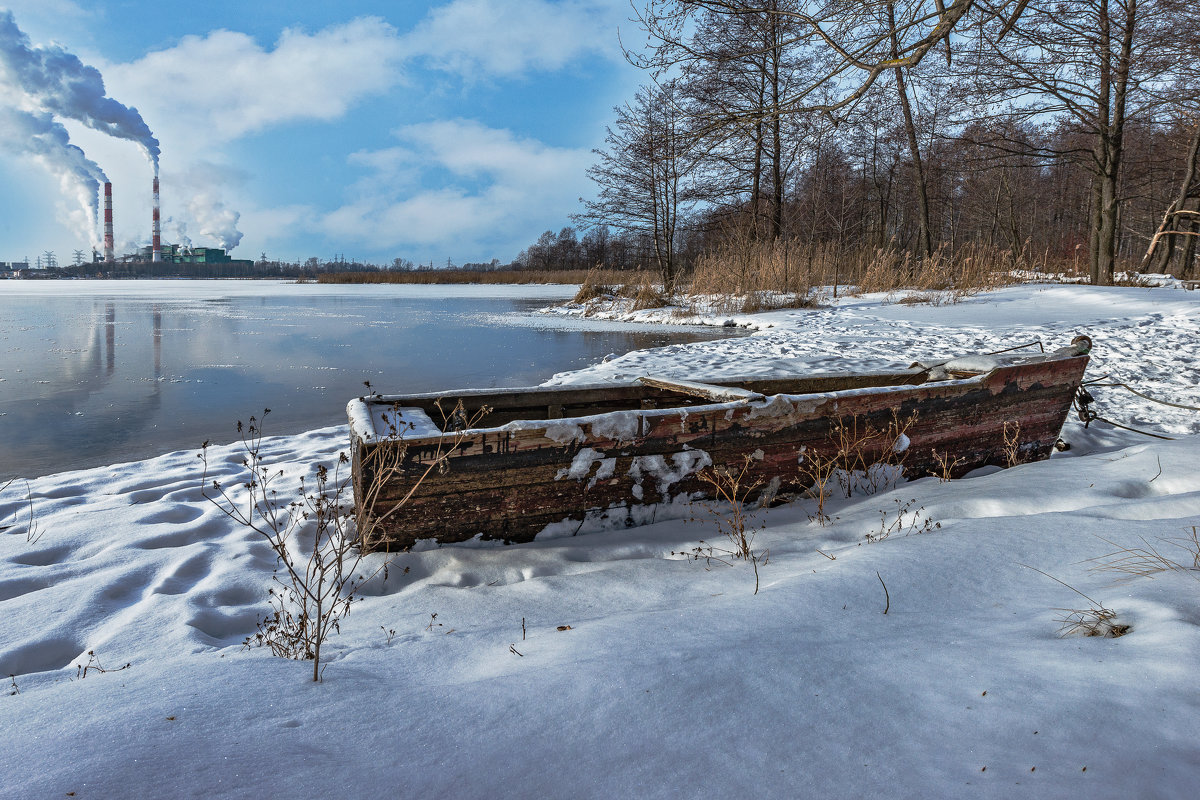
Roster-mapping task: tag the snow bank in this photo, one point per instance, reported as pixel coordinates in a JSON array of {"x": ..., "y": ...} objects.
[{"x": 613, "y": 664}]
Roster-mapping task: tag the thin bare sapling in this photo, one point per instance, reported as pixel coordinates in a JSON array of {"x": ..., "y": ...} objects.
[{"x": 313, "y": 530}]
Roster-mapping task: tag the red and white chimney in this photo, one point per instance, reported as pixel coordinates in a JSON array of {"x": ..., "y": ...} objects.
[
  {"x": 108, "y": 225},
  {"x": 155, "y": 234}
]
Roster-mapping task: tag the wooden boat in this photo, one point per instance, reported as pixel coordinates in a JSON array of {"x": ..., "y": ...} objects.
[{"x": 558, "y": 461}]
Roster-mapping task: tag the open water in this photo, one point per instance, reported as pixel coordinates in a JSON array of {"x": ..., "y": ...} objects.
[{"x": 94, "y": 373}]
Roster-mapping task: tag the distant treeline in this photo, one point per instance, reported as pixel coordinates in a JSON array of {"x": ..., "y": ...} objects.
[
  {"x": 456, "y": 275},
  {"x": 313, "y": 269}
]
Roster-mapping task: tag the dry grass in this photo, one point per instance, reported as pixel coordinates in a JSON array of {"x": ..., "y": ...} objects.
[
  {"x": 649, "y": 296},
  {"x": 1095, "y": 620},
  {"x": 758, "y": 275},
  {"x": 1090, "y": 622},
  {"x": 598, "y": 284},
  {"x": 1147, "y": 560},
  {"x": 943, "y": 277},
  {"x": 33, "y": 530},
  {"x": 591, "y": 289}
]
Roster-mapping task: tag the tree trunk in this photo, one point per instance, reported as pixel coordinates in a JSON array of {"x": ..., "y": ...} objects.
[
  {"x": 775, "y": 54},
  {"x": 1110, "y": 118},
  {"x": 756, "y": 183},
  {"x": 1104, "y": 266},
  {"x": 1188, "y": 269},
  {"x": 1166, "y": 249},
  {"x": 926, "y": 240}
]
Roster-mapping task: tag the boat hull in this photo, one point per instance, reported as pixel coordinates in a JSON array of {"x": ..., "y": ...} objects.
[{"x": 560, "y": 476}]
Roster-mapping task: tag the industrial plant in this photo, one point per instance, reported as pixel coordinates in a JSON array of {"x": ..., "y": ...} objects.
[{"x": 156, "y": 252}]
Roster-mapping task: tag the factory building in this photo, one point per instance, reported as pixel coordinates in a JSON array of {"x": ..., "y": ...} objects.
[{"x": 178, "y": 254}]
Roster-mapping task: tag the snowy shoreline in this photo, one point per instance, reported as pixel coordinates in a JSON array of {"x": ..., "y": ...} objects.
[{"x": 674, "y": 680}]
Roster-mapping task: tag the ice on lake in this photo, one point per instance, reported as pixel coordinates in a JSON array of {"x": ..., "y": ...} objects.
[{"x": 96, "y": 372}]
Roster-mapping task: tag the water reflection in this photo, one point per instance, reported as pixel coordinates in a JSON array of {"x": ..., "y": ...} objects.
[{"x": 86, "y": 381}]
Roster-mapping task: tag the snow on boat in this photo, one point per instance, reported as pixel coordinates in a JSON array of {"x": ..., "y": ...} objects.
[{"x": 558, "y": 461}]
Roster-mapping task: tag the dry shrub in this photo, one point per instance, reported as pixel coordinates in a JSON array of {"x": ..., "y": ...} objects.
[
  {"x": 858, "y": 458},
  {"x": 1012, "y": 442},
  {"x": 905, "y": 521},
  {"x": 756, "y": 275},
  {"x": 869, "y": 458},
  {"x": 592, "y": 288},
  {"x": 732, "y": 489},
  {"x": 732, "y": 511},
  {"x": 649, "y": 296},
  {"x": 318, "y": 535},
  {"x": 947, "y": 465}
]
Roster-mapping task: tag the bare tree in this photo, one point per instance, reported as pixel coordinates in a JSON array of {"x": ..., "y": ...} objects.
[
  {"x": 859, "y": 41},
  {"x": 644, "y": 175},
  {"x": 1099, "y": 62},
  {"x": 745, "y": 67}
]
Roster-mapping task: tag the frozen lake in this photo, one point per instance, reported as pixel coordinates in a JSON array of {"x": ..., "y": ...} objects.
[{"x": 98, "y": 372}]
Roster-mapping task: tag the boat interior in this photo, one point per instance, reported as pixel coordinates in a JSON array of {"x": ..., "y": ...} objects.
[{"x": 440, "y": 409}]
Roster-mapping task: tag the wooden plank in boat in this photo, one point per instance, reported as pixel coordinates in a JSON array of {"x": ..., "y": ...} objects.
[{"x": 709, "y": 391}]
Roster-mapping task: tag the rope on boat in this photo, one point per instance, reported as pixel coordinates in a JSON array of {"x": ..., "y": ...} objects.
[
  {"x": 1083, "y": 400},
  {"x": 931, "y": 367},
  {"x": 1140, "y": 394},
  {"x": 1038, "y": 342},
  {"x": 1135, "y": 430}
]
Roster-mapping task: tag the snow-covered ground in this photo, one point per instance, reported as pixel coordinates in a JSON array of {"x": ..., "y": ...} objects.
[{"x": 674, "y": 679}]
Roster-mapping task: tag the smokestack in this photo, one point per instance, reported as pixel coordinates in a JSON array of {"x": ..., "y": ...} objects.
[
  {"x": 108, "y": 225},
  {"x": 156, "y": 238}
]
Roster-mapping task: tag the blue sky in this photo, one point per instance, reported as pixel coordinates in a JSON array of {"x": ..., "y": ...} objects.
[{"x": 424, "y": 130}]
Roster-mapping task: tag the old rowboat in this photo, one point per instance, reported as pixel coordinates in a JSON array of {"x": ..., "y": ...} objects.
[{"x": 557, "y": 461}]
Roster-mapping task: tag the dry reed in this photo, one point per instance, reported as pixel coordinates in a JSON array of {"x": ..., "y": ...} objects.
[{"x": 757, "y": 275}]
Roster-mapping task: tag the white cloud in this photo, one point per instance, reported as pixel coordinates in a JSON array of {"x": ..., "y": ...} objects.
[
  {"x": 209, "y": 90},
  {"x": 224, "y": 85},
  {"x": 45, "y": 20},
  {"x": 501, "y": 190},
  {"x": 499, "y": 38},
  {"x": 215, "y": 88},
  {"x": 471, "y": 149},
  {"x": 278, "y": 225}
]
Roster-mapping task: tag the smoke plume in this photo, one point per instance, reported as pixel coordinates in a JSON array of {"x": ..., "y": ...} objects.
[
  {"x": 55, "y": 81},
  {"x": 176, "y": 231},
  {"x": 49, "y": 144},
  {"x": 215, "y": 220}
]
